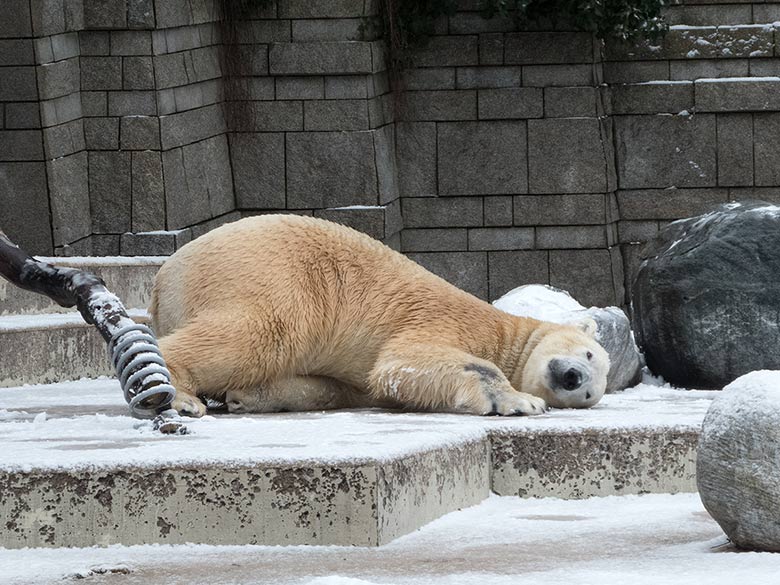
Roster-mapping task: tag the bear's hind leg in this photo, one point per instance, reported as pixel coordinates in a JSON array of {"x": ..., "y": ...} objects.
[
  {"x": 297, "y": 394},
  {"x": 444, "y": 379}
]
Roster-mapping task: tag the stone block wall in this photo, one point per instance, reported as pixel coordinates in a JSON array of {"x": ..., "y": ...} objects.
[{"x": 506, "y": 155}]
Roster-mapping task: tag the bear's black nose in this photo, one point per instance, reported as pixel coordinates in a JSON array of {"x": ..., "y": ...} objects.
[{"x": 571, "y": 379}]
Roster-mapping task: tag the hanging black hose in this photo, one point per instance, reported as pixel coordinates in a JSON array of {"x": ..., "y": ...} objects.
[{"x": 139, "y": 365}]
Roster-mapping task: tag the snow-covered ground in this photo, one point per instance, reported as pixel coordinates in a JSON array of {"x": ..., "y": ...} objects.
[
  {"x": 636, "y": 540},
  {"x": 86, "y": 424}
]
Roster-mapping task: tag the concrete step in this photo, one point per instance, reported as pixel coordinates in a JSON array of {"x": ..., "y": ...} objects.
[
  {"x": 129, "y": 278},
  {"x": 720, "y": 12},
  {"x": 40, "y": 349},
  {"x": 70, "y": 478},
  {"x": 736, "y": 94}
]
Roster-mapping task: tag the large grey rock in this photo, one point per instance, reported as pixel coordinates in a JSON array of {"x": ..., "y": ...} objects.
[
  {"x": 548, "y": 303},
  {"x": 737, "y": 469},
  {"x": 707, "y": 296}
]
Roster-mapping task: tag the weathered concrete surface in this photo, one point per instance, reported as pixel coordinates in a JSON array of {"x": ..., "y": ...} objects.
[
  {"x": 364, "y": 504},
  {"x": 587, "y": 463},
  {"x": 130, "y": 279},
  {"x": 52, "y": 348}
]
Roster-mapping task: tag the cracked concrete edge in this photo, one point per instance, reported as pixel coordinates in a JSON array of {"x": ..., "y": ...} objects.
[
  {"x": 595, "y": 462},
  {"x": 342, "y": 504}
]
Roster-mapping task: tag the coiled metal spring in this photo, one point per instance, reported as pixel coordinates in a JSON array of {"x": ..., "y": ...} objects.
[{"x": 140, "y": 367}]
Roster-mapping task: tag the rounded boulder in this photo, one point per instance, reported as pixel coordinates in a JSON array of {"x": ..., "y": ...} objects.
[
  {"x": 738, "y": 462},
  {"x": 706, "y": 299}
]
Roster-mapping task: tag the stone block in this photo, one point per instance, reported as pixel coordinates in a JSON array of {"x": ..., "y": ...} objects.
[
  {"x": 652, "y": 98},
  {"x": 254, "y": 59},
  {"x": 558, "y": 75},
  {"x": 501, "y": 238},
  {"x": 138, "y": 73},
  {"x": 335, "y": 115},
  {"x": 320, "y": 58},
  {"x": 635, "y": 232},
  {"x": 321, "y": 8},
  {"x": 105, "y": 14},
  {"x": 586, "y": 274},
  {"x": 101, "y": 73},
  {"x": 730, "y": 95},
  {"x": 416, "y": 156},
  {"x": 367, "y": 219},
  {"x": 444, "y": 212},
  {"x": 64, "y": 139},
  {"x": 531, "y": 48},
  {"x": 131, "y": 42},
  {"x": 735, "y": 150},
  {"x": 173, "y": 13},
  {"x": 170, "y": 70},
  {"x": 44, "y": 53},
  {"x": 386, "y": 164},
  {"x": 94, "y": 43},
  {"x": 579, "y": 209},
  {"x": 766, "y": 138},
  {"x": 58, "y": 79},
  {"x": 666, "y": 151},
  {"x": 205, "y": 63},
  {"x": 148, "y": 208},
  {"x": 488, "y": 77},
  {"x": 510, "y": 269},
  {"x": 207, "y": 226},
  {"x": 571, "y": 102},
  {"x": 16, "y": 52},
  {"x": 184, "y": 38},
  {"x": 330, "y": 169},
  {"x": 300, "y": 88},
  {"x": 94, "y": 103},
  {"x": 466, "y": 270},
  {"x": 491, "y": 49},
  {"x": 639, "y": 71},
  {"x": 498, "y": 211},
  {"x": 447, "y": 51},
  {"x": 439, "y": 105},
  {"x": 668, "y": 203},
  {"x": 258, "y": 170},
  {"x": 140, "y": 14},
  {"x": 708, "y": 68},
  {"x": 16, "y": 20},
  {"x": 21, "y": 145},
  {"x": 428, "y": 78},
  {"x": 331, "y": 29},
  {"x": 347, "y": 87},
  {"x": 140, "y": 133},
  {"x": 61, "y": 110},
  {"x": 24, "y": 200},
  {"x": 510, "y": 103},
  {"x": 69, "y": 196},
  {"x": 571, "y": 237},
  {"x": 22, "y": 115},
  {"x": 65, "y": 46},
  {"x": 482, "y": 158},
  {"x": 256, "y": 32},
  {"x": 760, "y": 67},
  {"x": 132, "y": 103},
  {"x": 746, "y": 41},
  {"x": 110, "y": 191},
  {"x": 434, "y": 240},
  {"x": 277, "y": 116},
  {"x": 157, "y": 243},
  {"x": 475, "y": 22},
  {"x": 18, "y": 84},
  {"x": 191, "y": 126},
  {"x": 567, "y": 156}
]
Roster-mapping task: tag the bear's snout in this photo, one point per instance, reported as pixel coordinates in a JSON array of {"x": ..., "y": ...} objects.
[{"x": 565, "y": 374}]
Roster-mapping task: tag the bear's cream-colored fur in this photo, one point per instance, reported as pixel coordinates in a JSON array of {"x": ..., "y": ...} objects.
[{"x": 281, "y": 312}]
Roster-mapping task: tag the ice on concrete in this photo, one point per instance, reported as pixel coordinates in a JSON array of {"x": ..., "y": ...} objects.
[
  {"x": 88, "y": 426},
  {"x": 641, "y": 540},
  {"x": 57, "y": 320},
  {"x": 87, "y": 261}
]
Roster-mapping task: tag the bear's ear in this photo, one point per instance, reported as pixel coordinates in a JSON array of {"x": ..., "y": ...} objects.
[{"x": 588, "y": 325}]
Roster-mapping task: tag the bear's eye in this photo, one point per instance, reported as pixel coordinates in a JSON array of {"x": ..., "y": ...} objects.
[{"x": 589, "y": 355}]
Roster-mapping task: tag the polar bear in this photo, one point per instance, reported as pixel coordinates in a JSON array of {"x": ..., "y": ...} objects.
[{"x": 283, "y": 312}]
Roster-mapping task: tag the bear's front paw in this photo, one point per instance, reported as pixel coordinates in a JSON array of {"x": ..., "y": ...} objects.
[
  {"x": 516, "y": 404},
  {"x": 188, "y": 405}
]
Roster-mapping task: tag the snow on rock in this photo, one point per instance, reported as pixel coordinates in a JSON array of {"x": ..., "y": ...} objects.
[
  {"x": 738, "y": 465},
  {"x": 548, "y": 303},
  {"x": 706, "y": 298},
  {"x": 87, "y": 426}
]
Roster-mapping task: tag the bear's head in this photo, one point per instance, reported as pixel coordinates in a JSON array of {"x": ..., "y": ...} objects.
[{"x": 567, "y": 367}]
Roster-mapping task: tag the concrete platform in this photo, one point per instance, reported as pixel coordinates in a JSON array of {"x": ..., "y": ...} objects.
[{"x": 69, "y": 477}]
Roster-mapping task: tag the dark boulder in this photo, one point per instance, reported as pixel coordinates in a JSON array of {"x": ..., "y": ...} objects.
[{"x": 706, "y": 299}]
